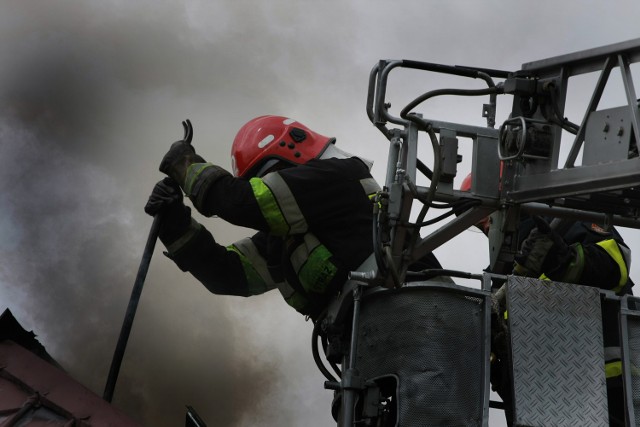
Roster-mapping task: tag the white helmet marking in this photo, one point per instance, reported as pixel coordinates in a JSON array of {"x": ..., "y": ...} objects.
[
  {"x": 288, "y": 121},
  {"x": 233, "y": 165},
  {"x": 266, "y": 141}
]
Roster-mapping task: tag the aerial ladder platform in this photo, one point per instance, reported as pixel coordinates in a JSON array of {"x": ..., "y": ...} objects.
[{"x": 415, "y": 348}]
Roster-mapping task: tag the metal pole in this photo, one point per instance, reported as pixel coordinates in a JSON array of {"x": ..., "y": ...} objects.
[
  {"x": 350, "y": 377},
  {"x": 131, "y": 309}
]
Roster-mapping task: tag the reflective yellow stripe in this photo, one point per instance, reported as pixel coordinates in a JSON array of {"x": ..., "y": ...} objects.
[
  {"x": 287, "y": 203},
  {"x": 269, "y": 207},
  {"x": 311, "y": 261},
  {"x": 301, "y": 253},
  {"x": 611, "y": 247},
  {"x": 193, "y": 172},
  {"x": 292, "y": 297},
  {"x": 297, "y": 301},
  {"x": 316, "y": 274},
  {"x": 613, "y": 369},
  {"x": 249, "y": 254},
  {"x": 257, "y": 285}
]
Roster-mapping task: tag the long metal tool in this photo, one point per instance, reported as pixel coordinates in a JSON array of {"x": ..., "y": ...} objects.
[
  {"x": 137, "y": 290},
  {"x": 131, "y": 309}
]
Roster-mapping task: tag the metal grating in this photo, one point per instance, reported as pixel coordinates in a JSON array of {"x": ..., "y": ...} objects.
[
  {"x": 557, "y": 352},
  {"x": 431, "y": 341},
  {"x": 633, "y": 324}
]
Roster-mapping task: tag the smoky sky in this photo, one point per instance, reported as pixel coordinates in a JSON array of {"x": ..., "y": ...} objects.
[
  {"x": 78, "y": 160},
  {"x": 93, "y": 93}
]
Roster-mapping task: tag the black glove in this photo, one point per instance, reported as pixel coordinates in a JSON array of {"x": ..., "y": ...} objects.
[
  {"x": 166, "y": 199},
  {"x": 543, "y": 251},
  {"x": 181, "y": 155},
  {"x": 164, "y": 194}
]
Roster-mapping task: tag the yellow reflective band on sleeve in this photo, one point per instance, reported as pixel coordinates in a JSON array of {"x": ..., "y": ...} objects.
[
  {"x": 311, "y": 261},
  {"x": 287, "y": 203},
  {"x": 316, "y": 274},
  {"x": 612, "y": 248},
  {"x": 257, "y": 285},
  {"x": 613, "y": 369},
  {"x": 297, "y": 301},
  {"x": 269, "y": 207},
  {"x": 193, "y": 172},
  {"x": 292, "y": 297},
  {"x": 250, "y": 254}
]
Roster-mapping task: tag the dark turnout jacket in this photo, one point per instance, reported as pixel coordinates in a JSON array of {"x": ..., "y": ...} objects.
[{"x": 313, "y": 225}]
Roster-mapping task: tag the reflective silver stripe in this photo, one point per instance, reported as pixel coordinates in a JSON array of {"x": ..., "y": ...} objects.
[
  {"x": 612, "y": 353},
  {"x": 286, "y": 290},
  {"x": 193, "y": 229},
  {"x": 300, "y": 254},
  {"x": 370, "y": 186},
  {"x": 259, "y": 264},
  {"x": 287, "y": 203}
]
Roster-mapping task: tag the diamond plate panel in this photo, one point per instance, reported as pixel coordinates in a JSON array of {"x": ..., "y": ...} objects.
[
  {"x": 557, "y": 352},
  {"x": 633, "y": 326}
]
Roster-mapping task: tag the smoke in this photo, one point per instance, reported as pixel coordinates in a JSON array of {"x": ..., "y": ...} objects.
[
  {"x": 80, "y": 142},
  {"x": 72, "y": 251}
]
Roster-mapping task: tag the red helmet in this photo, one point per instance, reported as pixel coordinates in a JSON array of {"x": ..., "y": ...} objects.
[
  {"x": 485, "y": 222},
  {"x": 466, "y": 183},
  {"x": 265, "y": 140}
]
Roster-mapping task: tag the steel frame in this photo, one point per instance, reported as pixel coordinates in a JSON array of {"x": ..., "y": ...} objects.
[{"x": 528, "y": 183}]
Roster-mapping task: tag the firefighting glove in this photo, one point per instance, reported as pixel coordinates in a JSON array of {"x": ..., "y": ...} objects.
[
  {"x": 166, "y": 199},
  {"x": 543, "y": 252},
  {"x": 181, "y": 155}
]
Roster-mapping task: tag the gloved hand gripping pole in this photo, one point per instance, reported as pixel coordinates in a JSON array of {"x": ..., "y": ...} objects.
[{"x": 137, "y": 291}]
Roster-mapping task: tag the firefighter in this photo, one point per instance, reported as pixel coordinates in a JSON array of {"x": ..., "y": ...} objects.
[
  {"x": 583, "y": 253},
  {"x": 309, "y": 202}
]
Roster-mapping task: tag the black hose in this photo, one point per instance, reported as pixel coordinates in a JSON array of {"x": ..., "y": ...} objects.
[
  {"x": 424, "y": 169},
  {"x": 334, "y": 366},
  {"x": 461, "y": 207},
  {"x": 437, "y": 171},
  {"x": 414, "y": 192},
  {"x": 314, "y": 350},
  {"x": 438, "y": 92},
  {"x": 562, "y": 121},
  {"x": 435, "y": 272}
]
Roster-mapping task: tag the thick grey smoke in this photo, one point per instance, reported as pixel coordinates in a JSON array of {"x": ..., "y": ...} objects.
[
  {"x": 71, "y": 250},
  {"x": 92, "y": 94},
  {"x": 81, "y": 97}
]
